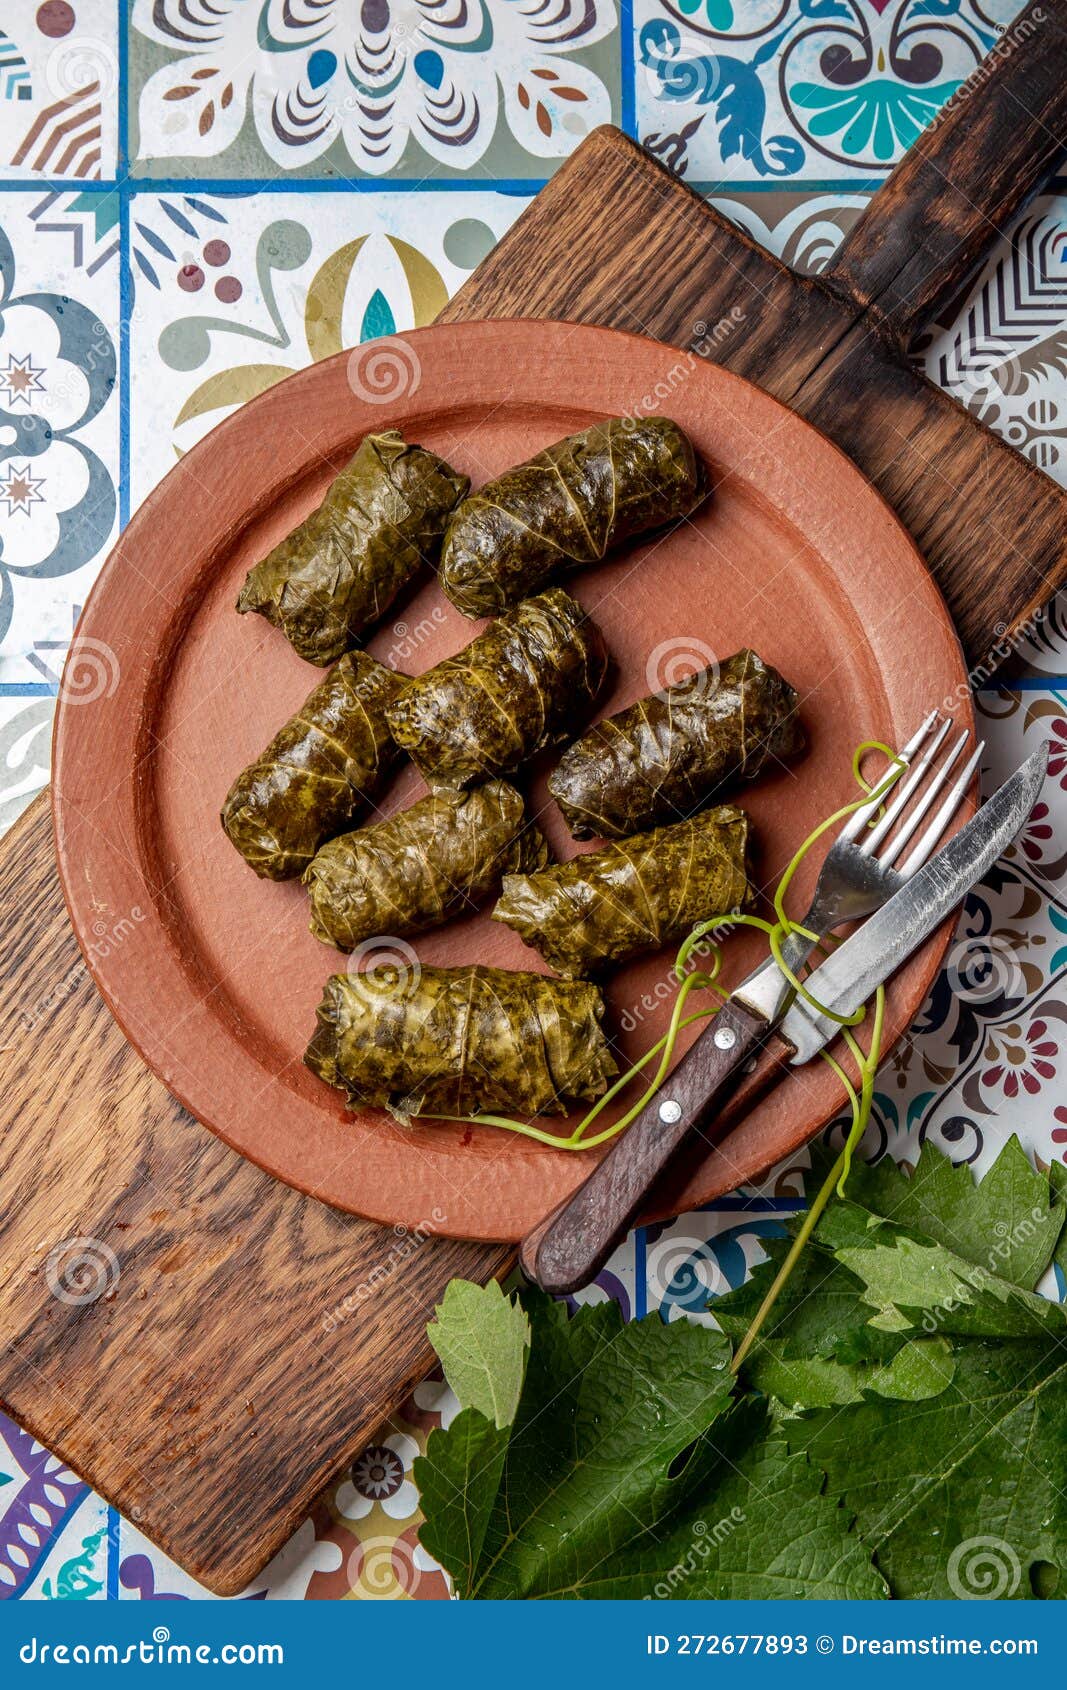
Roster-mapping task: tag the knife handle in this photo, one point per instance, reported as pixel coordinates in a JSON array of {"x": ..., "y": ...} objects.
[{"x": 568, "y": 1249}]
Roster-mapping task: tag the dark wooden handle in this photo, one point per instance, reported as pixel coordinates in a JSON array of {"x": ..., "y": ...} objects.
[
  {"x": 567, "y": 1250},
  {"x": 987, "y": 152}
]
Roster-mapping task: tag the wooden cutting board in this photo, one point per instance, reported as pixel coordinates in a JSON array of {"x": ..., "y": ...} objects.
[{"x": 203, "y": 1393}]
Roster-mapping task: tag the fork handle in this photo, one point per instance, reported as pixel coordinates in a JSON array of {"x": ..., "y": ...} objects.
[{"x": 568, "y": 1249}]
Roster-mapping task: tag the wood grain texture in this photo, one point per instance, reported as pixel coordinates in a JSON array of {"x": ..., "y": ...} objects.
[
  {"x": 614, "y": 239},
  {"x": 200, "y": 1397},
  {"x": 202, "y": 1393}
]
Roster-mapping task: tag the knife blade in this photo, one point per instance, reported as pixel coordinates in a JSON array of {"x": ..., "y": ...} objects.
[{"x": 886, "y": 939}]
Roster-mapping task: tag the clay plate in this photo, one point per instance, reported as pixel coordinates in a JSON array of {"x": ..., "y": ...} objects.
[{"x": 213, "y": 974}]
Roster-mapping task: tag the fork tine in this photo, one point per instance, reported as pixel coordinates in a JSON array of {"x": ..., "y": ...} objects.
[
  {"x": 859, "y": 818},
  {"x": 903, "y": 794},
  {"x": 919, "y": 809},
  {"x": 927, "y": 840}
]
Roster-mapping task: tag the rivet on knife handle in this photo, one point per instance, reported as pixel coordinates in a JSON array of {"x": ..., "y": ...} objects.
[{"x": 566, "y": 1251}]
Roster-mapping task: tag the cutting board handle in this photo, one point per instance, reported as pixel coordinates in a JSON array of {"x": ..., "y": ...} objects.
[{"x": 990, "y": 148}]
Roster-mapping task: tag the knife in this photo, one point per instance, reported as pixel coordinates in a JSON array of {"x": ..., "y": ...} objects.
[{"x": 571, "y": 1245}]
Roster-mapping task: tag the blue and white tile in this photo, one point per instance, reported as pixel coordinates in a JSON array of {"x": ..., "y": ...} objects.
[
  {"x": 59, "y": 78},
  {"x": 235, "y": 292},
  {"x": 59, "y": 434},
  {"x": 789, "y": 93},
  {"x": 390, "y": 87}
]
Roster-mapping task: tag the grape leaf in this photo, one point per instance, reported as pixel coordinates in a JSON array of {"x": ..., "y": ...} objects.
[
  {"x": 911, "y": 1284},
  {"x": 481, "y": 1338},
  {"x": 624, "y": 1472},
  {"x": 818, "y": 1316},
  {"x": 876, "y": 1273},
  {"x": 961, "y": 1495},
  {"x": 921, "y": 1368},
  {"x": 1008, "y": 1223},
  {"x": 900, "y": 1417},
  {"x": 458, "y": 1480}
]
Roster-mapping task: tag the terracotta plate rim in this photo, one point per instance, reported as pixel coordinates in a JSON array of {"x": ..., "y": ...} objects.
[{"x": 92, "y": 862}]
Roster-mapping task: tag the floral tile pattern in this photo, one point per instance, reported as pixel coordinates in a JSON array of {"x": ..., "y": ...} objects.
[
  {"x": 1006, "y": 357},
  {"x": 59, "y": 64},
  {"x": 397, "y": 87},
  {"x": 140, "y": 305},
  {"x": 59, "y": 427},
  {"x": 234, "y": 293},
  {"x": 774, "y": 91}
]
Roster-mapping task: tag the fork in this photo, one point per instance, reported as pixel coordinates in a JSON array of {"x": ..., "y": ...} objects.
[{"x": 857, "y": 877}]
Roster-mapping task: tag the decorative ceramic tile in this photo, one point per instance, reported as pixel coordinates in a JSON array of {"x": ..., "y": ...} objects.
[
  {"x": 234, "y": 293},
  {"x": 252, "y": 88},
  {"x": 43, "y": 1506},
  {"x": 803, "y": 229},
  {"x": 58, "y": 88},
  {"x": 25, "y": 747},
  {"x": 1005, "y": 356},
  {"x": 791, "y": 91},
  {"x": 59, "y": 424}
]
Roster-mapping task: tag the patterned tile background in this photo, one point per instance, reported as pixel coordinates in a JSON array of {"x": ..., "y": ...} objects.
[{"x": 197, "y": 198}]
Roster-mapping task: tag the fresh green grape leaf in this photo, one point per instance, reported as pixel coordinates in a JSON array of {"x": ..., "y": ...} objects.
[
  {"x": 610, "y": 1408},
  {"x": 920, "y": 1369},
  {"x": 1057, "y": 1175},
  {"x": 899, "y": 1417},
  {"x": 458, "y": 1479},
  {"x": 876, "y": 1270},
  {"x": 625, "y": 1473},
  {"x": 1008, "y": 1223},
  {"x": 754, "y": 1525},
  {"x": 819, "y": 1315},
  {"x": 913, "y": 1284},
  {"x": 961, "y": 1495},
  {"x": 481, "y": 1338}
]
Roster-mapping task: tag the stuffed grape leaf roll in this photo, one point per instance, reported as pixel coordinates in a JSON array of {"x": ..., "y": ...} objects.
[
  {"x": 457, "y": 1041},
  {"x": 566, "y": 508},
  {"x": 523, "y": 684},
  {"x": 665, "y": 756},
  {"x": 336, "y": 573},
  {"x": 631, "y": 897},
  {"x": 427, "y": 863},
  {"x": 329, "y": 761}
]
